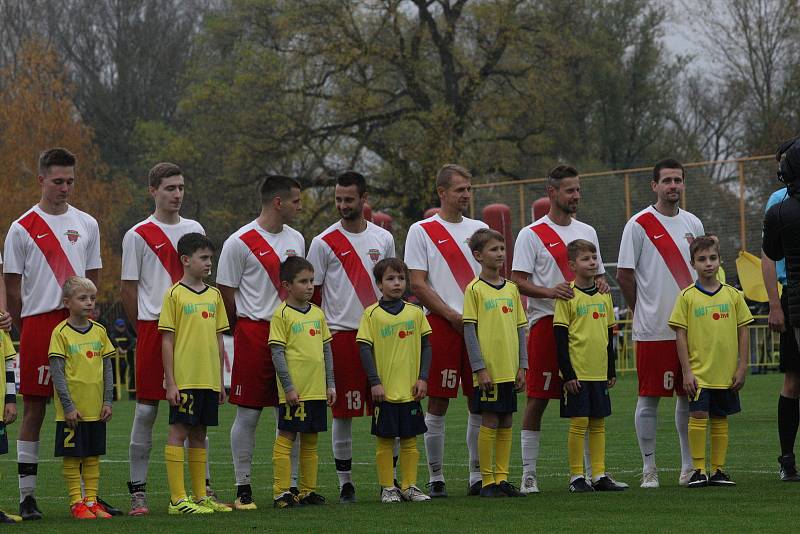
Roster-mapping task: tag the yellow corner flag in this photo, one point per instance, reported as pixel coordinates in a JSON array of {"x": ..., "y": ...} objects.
[{"x": 749, "y": 269}]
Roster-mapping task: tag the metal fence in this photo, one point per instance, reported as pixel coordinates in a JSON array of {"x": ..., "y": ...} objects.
[{"x": 727, "y": 195}]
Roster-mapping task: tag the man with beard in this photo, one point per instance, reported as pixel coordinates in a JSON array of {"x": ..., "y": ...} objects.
[
  {"x": 343, "y": 257},
  {"x": 654, "y": 266},
  {"x": 541, "y": 271}
]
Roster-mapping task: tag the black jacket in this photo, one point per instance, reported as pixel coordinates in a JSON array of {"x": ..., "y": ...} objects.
[{"x": 781, "y": 240}]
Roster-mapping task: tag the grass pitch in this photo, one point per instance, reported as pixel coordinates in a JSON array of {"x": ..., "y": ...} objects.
[{"x": 759, "y": 502}]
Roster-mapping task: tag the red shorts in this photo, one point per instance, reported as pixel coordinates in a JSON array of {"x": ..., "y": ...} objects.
[
  {"x": 253, "y": 380},
  {"x": 450, "y": 361},
  {"x": 542, "y": 379},
  {"x": 658, "y": 368},
  {"x": 352, "y": 388},
  {"x": 34, "y": 347},
  {"x": 149, "y": 365}
]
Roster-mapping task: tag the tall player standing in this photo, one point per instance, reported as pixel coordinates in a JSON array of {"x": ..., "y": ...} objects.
[
  {"x": 653, "y": 267},
  {"x": 343, "y": 256},
  {"x": 441, "y": 266},
  {"x": 541, "y": 271},
  {"x": 150, "y": 266},
  {"x": 248, "y": 276},
  {"x": 46, "y": 245}
]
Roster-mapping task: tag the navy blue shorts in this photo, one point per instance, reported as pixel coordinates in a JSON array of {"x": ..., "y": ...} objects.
[
  {"x": 86, "y": 439},
  {"x": 198, "y": 407},
  {"x": 308, "y": 417},
  {"x": 719, "y": 402},
  {"x": 592, "y": 400},
  {"x": 500, "y": 399},
  {"x": 3, "y": 438},
  {"x": 789, "y": 352},
  {"x": 398, "y": 420}
]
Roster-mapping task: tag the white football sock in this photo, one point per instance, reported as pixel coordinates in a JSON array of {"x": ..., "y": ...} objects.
[
  {"x": 144, "y": 419},
  {"x": 295, "y": 455},
  {"x": 27, "y": 453},
  {"x": 530, "y": 451},
  {"x": 434, "y": 446},
  {"x": 646, "y": 423},
  {"x": 587, "y": 460},
  {"x": 682, "y": 425},
  {"x": 473, "y": 429},
  {"x": 243, "y": 442},
  {"x": 342, "y": 443}
]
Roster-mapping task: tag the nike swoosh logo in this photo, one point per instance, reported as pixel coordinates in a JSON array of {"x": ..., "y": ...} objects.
[
  {"x": 39, "y": 236},
  {"x": 553, "y": 245},
  {"x": 159, "y": 246},
  {"x": 443, "y": 241},
  {"x": 263, "y": 253},
  {"x": 659, "y": 236},
  {"x": 345, "y": 253}
]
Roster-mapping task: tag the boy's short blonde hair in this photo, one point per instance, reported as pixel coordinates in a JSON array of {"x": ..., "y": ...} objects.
[
  {"x": 75, "y": 284},
  {"x": 481, "y": 237},
  {"x": 579, "y": 245}
]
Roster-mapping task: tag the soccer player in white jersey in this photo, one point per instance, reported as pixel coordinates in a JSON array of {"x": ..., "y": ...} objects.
[
  {"x": 46, "y": 245},
  {"x": 343, "y": 256},
  {"x": 541, "y": 271},
  {"x": 440, "y": 266},
  {"x": 653, "y": 267},
  {"x": 248, "y": 276},
  {"x": 150, "y": 266}
]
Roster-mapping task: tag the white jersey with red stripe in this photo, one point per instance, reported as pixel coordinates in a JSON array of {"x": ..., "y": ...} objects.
[
  {"x": 256, "y": 294},
  {"x": 533, "y": 256},
  {"x": 78, "y": 235},
  {"x": 341, "y": 301},
  {"x": 656, "y": 288},
  {"x": 140, "y": 262},
  {"x": 424, "y": 255}
]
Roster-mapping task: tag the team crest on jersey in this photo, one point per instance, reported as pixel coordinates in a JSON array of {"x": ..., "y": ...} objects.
[
  {"x": 374, "y": 254},
  {"x": 717, "y": 312},
  {"x": 689, "y": 237},
  {"x": 72, "y": 235},
  {"x": 290, "y": 252}
]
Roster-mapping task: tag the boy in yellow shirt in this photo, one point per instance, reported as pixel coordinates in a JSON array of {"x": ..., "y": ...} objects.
[
  {"x": 494, "y": 332},
  {"x": 396, "y": 356},
  {"x": 191, "y": 323},
  {"x": 301, "y": 352},
  {"x": 83, "y": 381},
  {"x": 8, "y": 404},
  {"x": 710, "y": 321},
  {"x": 583, "y": 329}
]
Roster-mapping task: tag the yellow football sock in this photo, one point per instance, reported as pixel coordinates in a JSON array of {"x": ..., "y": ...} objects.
[
  {"x": 309, "y": 463},
  {"x": 597, "y": 445},
  {"x": 72, "y": 474},
  {"x": 173, "y": 457},
  {"x": 383, "y": 461},
  {"x": 575, "y": 439},
  {"x": 91, "y": 476},
  {"x": 281, "y": 465},
  {"x": 502, "y": 455},
  {"x": 697, "y": 442},
  {"x": 409, "y": 458},
  {"x": 719, "y": 443},
  {"x": 197, "y": 472},
  {"x": 486, "y": 440}
]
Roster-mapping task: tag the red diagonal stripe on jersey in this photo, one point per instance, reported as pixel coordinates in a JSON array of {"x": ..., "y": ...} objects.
[
  {"x": 44, "y": 238},
  {"x": 353, "y": 266},
  {"x": 267, "y": 257},
  {"x": 665, "y": 246},
  {"x": 556, "y": 247},
  {"x": 159, "y": 243},
  {"x": 451, "y": 252}
]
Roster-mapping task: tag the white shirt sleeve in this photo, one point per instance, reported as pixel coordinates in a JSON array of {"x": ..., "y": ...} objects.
[
  {"x": 93, "y": 260},
  {"x": 390, "y": 250},
  {"x": 416, "y": 256},
  {"x": 601, "y": 269},
  {"x": 231, "y": 263},
  {"x": 524, "y": 252},
  {"x": 14, "y": 250},
  {"x": 131, "y": 256},
  {"x": 317, "y": 256},
  {"x": 630, "y": 246}
]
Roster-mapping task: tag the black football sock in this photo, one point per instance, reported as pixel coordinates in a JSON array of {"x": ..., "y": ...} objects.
[{"x": 788, "y": 420}]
